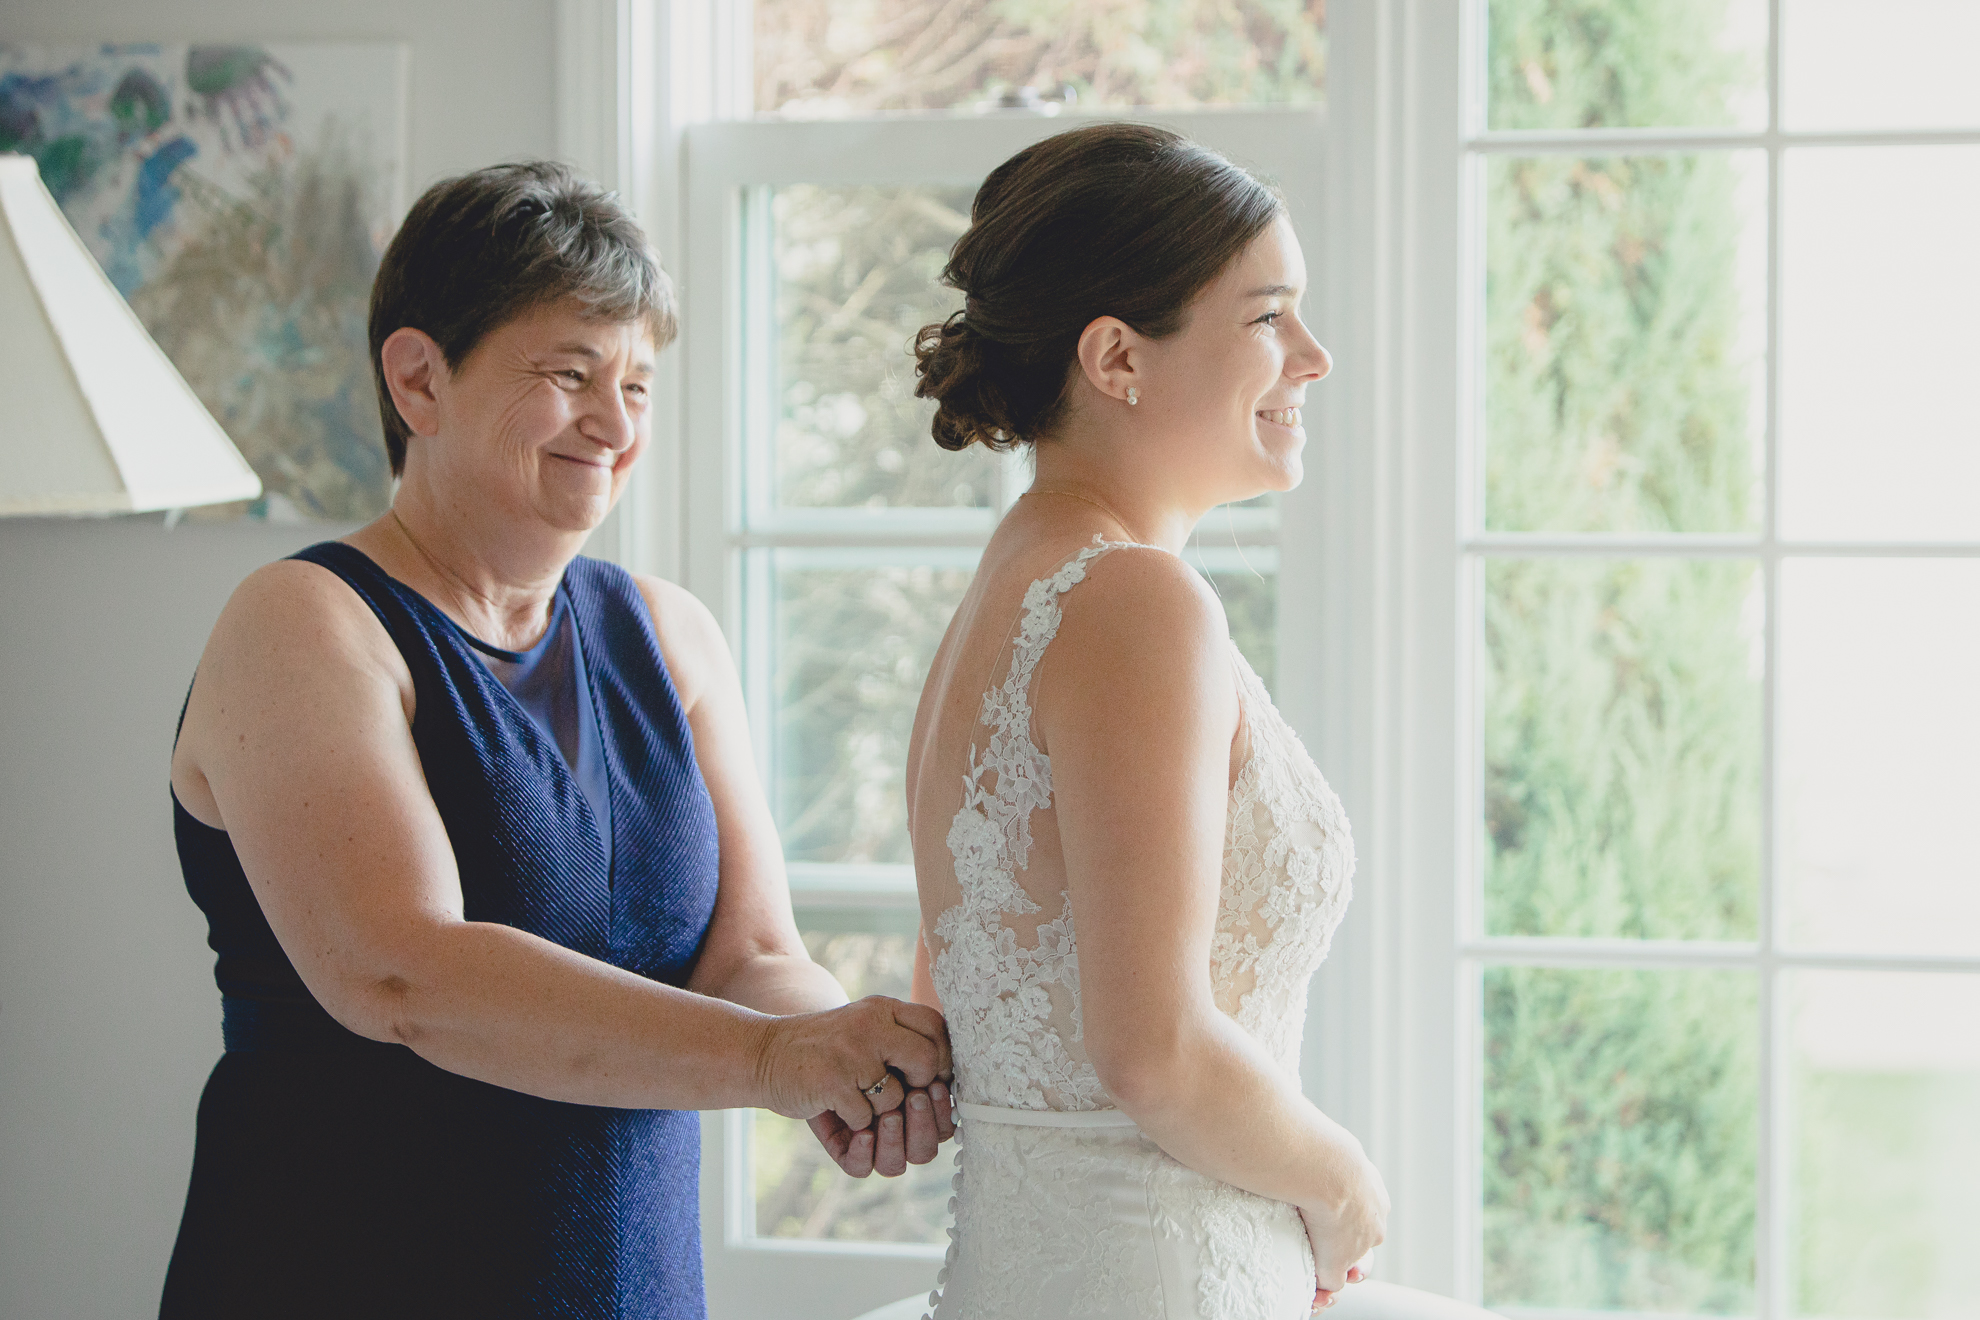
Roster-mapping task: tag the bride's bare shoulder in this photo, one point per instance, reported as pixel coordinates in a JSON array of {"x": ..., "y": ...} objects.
[
  {"x": 1140, "y": 667},
  {"x": 1140, "y": 610},
  {"x": 1142, "y": 591}
]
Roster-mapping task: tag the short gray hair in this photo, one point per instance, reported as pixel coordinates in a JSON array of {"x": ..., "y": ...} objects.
[{"x": 477, "y": 251}]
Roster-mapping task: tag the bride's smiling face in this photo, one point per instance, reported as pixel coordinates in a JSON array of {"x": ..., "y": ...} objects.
[{"x": 1222, "y": 396}]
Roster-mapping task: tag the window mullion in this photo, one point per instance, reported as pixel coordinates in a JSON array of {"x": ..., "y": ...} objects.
[
  {"x": 1523, "y": 545},
  {"x": 1657, "y": 142},
  {"x": 1771, "y": 1248}
]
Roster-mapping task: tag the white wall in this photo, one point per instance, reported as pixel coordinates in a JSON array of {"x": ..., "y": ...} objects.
[{"x": 109, "y": 1019}]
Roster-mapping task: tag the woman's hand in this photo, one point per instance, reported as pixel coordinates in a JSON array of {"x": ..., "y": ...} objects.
[
  {"x": 911, "y": 1135},
  {"x": 811, "y": 1065},
  {"x": 1344, "y": 1233}
]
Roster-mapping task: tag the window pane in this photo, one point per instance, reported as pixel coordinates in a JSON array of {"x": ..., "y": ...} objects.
[
  {"x": 1886, "y": 1204},
  {"x": 857, "y": 273},
  {"x": 1880, "y": 715},
  {"x": 1624, "y": 342},
  {"x": 1910, "y": 66},
  {"x": 1619, "y": 1139},
  {"x": 1563, "y": 64},
  {"x": 854, "y": 634},
  {"x": 1621, "y": 705},
  {"x": 800, "y": 1193},
  {"x": 822, "y": 58},
  {"x": 1880, "y": 423},
  {"x": 1247, "y": 580}
]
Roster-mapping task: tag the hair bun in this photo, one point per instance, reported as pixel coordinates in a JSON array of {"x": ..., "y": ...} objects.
[{"x": 950, "y": 362}]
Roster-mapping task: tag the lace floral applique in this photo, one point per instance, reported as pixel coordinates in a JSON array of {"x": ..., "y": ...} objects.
[
  {"x": 998, "y": 994},
  {"x": 1288, "y": 863},
  {"x": 1239, "y": 1275}
]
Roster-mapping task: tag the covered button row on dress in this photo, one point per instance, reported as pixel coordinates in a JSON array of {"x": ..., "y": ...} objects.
[{"x": 948, "y": 1257}]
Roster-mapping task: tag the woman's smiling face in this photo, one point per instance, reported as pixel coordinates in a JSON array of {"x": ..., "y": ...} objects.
[
  {"x": 548, "y": 415},
  {"x": 1228, "y": 386}
]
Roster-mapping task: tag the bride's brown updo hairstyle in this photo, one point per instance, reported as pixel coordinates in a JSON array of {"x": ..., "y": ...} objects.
[{"x": 1118, "y": 220}]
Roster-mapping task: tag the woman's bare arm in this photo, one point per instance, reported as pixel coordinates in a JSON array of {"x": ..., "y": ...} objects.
[
  {"x": 297, "y": 735},
  {"x": 1137, "y": 707},
  {"x": 753, "y": 954}
]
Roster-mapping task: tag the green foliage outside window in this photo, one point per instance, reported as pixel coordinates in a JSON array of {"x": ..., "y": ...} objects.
[
  {"x": 1567, "y": 64},
  {"x": 831, "y": 57},
  {"x": 858, "y": 273},
  {"x": 1620, "y": 697},
  {"x": 853, "y": 647},
  {"x": 1622, "y": 748},
  {"x": 1616, "y": 389},
  {"x": 1620, "y": 1139}
]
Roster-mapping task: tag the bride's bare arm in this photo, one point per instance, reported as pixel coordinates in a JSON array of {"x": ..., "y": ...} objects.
[
  {"x": 1137, "y": 705},
  {"x": 924, "y": 978}
]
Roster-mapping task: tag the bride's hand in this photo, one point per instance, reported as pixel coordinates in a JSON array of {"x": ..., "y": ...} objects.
[
  {"x": 1322, "y": 1299},
  {"x": 1343, "y": 1234},
  {"x": 894, "y": 1142}
]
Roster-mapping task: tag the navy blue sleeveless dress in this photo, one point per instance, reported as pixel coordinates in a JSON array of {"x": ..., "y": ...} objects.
[{"x": 336, "y": 1176}]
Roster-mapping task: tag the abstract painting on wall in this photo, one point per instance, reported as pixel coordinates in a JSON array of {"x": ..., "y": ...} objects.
[{"x": 239, "y": 197}]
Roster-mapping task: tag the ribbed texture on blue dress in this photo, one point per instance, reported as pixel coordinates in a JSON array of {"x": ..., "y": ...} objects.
[{"x": 335, "y": 1176}]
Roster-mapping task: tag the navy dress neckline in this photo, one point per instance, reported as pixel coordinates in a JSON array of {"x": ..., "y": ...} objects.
[
  {"x": 550, "y": 684},
  {"x": 338, "y": 1176}
]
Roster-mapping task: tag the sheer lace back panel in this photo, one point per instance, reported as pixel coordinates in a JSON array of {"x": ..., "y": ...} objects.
[{"x": 1004, "y": 955}]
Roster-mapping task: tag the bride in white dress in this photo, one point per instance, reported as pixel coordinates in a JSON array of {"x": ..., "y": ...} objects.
[{"x": 1129, "y": 867}]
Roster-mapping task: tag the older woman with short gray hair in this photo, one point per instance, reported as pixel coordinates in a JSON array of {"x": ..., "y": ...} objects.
[{"x": 496, "y": 895}]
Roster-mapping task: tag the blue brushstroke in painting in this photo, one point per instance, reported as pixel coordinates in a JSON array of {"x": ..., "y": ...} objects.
[
  {"x": 155, "y": 195},
  {"x": 139, "y": 143},
  {"x": 86, "y": 125}
]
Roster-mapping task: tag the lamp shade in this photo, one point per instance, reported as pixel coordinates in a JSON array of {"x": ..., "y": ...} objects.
[{"x": 94, "y": 418}]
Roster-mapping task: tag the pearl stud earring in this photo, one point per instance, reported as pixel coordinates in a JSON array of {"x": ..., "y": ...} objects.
[{"x": 1134, "y": 396}]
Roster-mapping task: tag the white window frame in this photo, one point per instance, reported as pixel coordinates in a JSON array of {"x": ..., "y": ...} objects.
[
  {"x": 1389, "y": 997},
  {"x": 1450, "y": 607}
]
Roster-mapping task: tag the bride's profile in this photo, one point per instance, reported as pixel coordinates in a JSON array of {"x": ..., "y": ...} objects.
[{"x": 1129, "y": 867}]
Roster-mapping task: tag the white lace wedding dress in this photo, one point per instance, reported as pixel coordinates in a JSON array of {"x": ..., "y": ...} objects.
[{"x": 1063, "y": 1208}]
